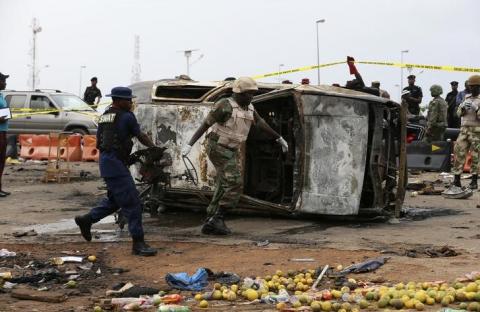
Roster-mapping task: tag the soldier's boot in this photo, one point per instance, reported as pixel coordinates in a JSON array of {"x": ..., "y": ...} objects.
[
  {"x": 456, "y": 181},
  {"x": 215, "y": 225},
  {"x": 473, "y": 184},
  {"x": 85, "y": 224},
  {"x": 140, "y": 248}
]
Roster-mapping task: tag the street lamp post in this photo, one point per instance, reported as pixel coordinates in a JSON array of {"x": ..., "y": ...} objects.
[
  {"x": 401, "y": 69},
  {"x": 279, "y": 70},
  {"x": 35, "y": 30},
  {"x": 318, "y": 50},
  {"x": 82, "y": 67}
]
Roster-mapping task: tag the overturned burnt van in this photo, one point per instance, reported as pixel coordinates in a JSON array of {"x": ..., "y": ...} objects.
[{"x": 343, "y": 159}]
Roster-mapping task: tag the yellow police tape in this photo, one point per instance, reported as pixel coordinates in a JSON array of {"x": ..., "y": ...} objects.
[
  {"x": 24, "y": 112},
  {"x": 392, "y": 64}
]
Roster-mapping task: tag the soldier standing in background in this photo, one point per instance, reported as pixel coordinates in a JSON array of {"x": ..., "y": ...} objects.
[
  {"x": 469, "y": 138},
  {"x": 436, "y": 116},
  {"x": 451, "y": 99}
]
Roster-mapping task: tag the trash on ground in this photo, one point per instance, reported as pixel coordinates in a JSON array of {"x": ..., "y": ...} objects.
[
  {"x": 66, "y": 259},
  {"x": 432, "y": 252},
  {"x": 6, "y": 275},
  {"x": 183, "y": 281},
  {"x": 31, "y": 232},
  {"x": 4, "y": 253},
  {"x": 302, "y": 260},
  {"x": 263, "y": 243},
  {"x": 366, "y": 266},
  {"x": 35, "y": 295},
  {"x": 227, "y": 278},
  {"x": 455, "y": 192}
]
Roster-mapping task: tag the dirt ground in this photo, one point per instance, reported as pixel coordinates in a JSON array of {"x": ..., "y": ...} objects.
[{"x": 431, "y": 222}]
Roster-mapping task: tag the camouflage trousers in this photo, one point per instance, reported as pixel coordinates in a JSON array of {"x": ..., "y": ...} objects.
[
  {"x": 468, "y": 140},
  {"x": 434, "y": 134},
  {"x": 228, "y": 182}
]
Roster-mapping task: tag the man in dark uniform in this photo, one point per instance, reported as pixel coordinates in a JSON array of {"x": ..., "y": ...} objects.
[
  {"x": 116, "y": 128},
  {"x": 414, "y": 98},
  {"x": 92, "y": 93},
  {"x": 451, "y": 99}
]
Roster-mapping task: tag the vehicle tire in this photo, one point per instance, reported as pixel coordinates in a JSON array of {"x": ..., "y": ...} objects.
[{"x": 80, "y": 131}]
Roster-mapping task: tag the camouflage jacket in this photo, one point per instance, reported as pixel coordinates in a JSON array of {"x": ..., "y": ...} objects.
[{"x": 437, "y": 113}]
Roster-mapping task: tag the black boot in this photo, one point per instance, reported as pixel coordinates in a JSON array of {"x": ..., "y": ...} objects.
[
  {"x": 473, "y": 184},
  {"x": 140, "y": 248},
  {"x": 456, "y": 181},
  {"x": 215, "y": 225},
  {"x": 85, "y": 224}
]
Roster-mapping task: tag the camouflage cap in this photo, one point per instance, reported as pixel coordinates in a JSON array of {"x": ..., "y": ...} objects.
[
  {"x": 244, "y": 84},
  {"x": 436, "y": 90}
]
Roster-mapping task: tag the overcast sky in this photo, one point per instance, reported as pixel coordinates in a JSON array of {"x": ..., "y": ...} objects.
[{"x": 237, "y": 38}]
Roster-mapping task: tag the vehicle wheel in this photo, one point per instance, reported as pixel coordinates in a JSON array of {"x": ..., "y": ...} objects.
[{"x": 79, "y": 131}]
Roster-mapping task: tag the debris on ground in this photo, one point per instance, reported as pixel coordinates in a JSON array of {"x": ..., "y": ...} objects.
[
  {"x": 35, "y": 295},
  {"x": 31, "y": 232},
  {"x": 366, "y": 266},
  {"x": 455, "y": 192},
  {"x": 183, "y": 281},
  {"x": 432, "y": 252},
  {"x": 5, "y": 253}
]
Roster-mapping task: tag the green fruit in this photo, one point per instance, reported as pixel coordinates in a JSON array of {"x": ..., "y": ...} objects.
[
  {"x": 445, "y": 302},
  {"x": 336, "y": 306},
  {"x": 463, "y": 306},
  {"x": 346, "y": 306},
  {"x": 363, "y": 304},
  {"x": 316, "y": 307},
  {"x": 477, "y": 297},
  {"x": 419, "y": 306},
  {"x": 71, "y": 284},
  {"x": 473, "y": 306},
  {"x": 396, "y": 303},
  {"x": 382, "y": 303},
  {"x": 97, "y": 309},
  {"x": 370, "y": 296}
]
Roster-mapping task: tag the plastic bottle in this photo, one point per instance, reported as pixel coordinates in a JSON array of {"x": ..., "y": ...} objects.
[
  {"x": 6, "y": 275},
  {"x": 173, "y": 308},
  {"x": 174, "y": 298}
]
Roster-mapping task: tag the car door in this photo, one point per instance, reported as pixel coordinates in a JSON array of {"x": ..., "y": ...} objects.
[
  {"x": 17, "y": 104},
  {"x": 45, "y": 116}
]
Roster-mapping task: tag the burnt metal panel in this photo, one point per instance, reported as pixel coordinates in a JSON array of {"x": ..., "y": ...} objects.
[
  {"x": 172, "y": 126},
  {"x": 336, "y": 142}
]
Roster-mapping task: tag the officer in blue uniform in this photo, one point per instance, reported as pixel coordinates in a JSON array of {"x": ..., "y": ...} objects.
[{"x": 116, "y": 128}]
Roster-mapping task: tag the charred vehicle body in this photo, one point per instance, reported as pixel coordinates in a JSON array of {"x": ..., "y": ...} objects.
[{"x": 343, "y": 156}]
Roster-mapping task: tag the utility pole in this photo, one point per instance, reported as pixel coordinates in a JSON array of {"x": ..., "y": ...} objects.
[
  {"x": 318, "y": 50},
  {"x": 136, "y": 69},
  {"x": 188, "y": 54},
  {"x": 401, "y": 69},
  {"x": 35, "y": 30},
  {"x": 82, "y": 67}
]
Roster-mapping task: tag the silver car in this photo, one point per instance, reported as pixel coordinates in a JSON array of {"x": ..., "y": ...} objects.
[{"x": 42, "y": 112}]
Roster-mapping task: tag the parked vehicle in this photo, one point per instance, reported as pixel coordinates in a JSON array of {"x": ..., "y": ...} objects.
[
  {"x": 342, "y": 160},
  {"x": 42, "y": 112}
]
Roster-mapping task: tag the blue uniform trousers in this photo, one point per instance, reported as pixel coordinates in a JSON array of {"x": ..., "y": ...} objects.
[{"x": 121, "y": 193}]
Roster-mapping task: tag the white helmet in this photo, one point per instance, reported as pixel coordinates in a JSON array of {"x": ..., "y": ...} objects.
[{"x": 244, "y": 84}]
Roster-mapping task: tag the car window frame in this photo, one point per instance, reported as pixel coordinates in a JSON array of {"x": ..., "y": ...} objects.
[{"x": 15, "y": 94}]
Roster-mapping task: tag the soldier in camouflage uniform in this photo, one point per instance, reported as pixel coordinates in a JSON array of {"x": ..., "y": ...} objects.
[
  {"x": 469, "y": 138},
  {"x": 229, "y": 122},
  {"x": 436, "y": 116}
]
